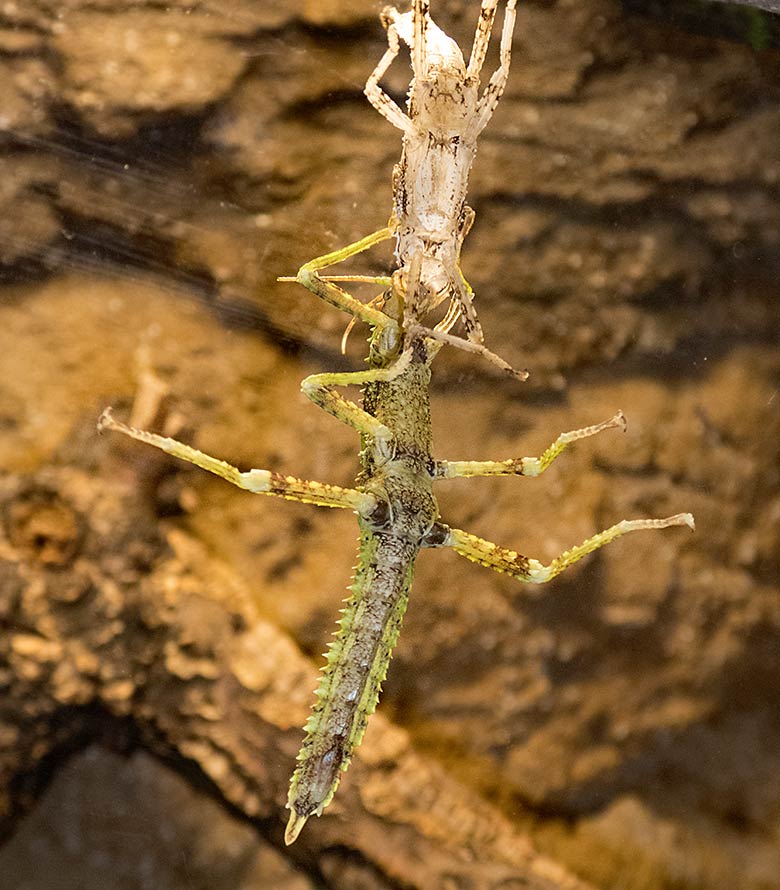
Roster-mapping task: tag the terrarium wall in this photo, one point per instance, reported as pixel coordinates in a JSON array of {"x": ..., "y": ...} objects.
[{"x": 162, "y": 165}]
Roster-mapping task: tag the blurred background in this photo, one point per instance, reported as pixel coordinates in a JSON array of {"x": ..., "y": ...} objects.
[{"x": 160, "y": 165}]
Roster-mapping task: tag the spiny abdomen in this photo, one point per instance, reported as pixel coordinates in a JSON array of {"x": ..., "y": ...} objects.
[{"x": 357, "y": 661}]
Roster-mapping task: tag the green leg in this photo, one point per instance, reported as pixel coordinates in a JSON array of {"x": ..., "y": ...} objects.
[
  {"x": 318, "y": 388},
  {"x": 531, "y": 570},
  {"x": 256, "y": 481},
  {"x": 326, "y": 288},
  {"x": 523, "y": 466}
]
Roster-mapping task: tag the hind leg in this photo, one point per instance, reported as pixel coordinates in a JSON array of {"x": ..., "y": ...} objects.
[
  {"x": 256, "y": 481},
  {"x": 530, "y": 570}
]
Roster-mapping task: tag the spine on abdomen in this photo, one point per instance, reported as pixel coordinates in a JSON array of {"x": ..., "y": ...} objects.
[{"x": 357, "y": 661}]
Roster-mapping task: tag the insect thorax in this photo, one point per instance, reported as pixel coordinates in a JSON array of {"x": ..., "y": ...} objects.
[
  {"x": 430, "y": 184},
  {"x": 404, "y": 481}
]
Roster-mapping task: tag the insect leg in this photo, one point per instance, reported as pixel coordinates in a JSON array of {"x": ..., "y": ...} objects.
[
  {"x": 495, "y": 88},
  {"x": 319, "y": 388},
  {"x": 373, "y": 92},
  {"x": 466, "y": 297},
  {"x": 467, "y": 346},
  {"x": 420, "y": 19},
  {"x": 256, "y": 481},
  {"x": 525, "y": 568},
  {"x": 523, "y": 466},
  {"x": 482, "y": 37},
  {"x": 450, "y": 319},
  {"x": 326, "y": 288}
]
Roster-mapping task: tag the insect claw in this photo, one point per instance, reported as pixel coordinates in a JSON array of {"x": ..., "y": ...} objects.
[
  {"x": 518, "y": 375},
  {"x": 106, "y": 420},
  {"x": 683, "y": 519}
]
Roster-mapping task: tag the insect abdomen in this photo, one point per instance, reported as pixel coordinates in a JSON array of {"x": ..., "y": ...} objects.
[{"x": 357, "y": 661}]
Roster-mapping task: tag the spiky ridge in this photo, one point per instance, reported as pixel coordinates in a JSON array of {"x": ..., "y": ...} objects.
[{"x": 356, "y": 663}]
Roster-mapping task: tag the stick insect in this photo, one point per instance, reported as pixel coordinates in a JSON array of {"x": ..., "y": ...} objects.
[{"x": 393, "y": 496}]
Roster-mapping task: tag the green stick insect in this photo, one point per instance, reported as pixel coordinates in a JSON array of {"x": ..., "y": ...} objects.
[{"x": 393, "y": 496}]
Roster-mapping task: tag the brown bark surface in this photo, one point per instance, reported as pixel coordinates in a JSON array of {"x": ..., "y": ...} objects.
[{"x": 161, "y": 166}]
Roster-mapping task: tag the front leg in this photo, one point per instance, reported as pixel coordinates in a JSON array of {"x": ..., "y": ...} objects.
[
  {"x": 373, "y": 92},
  {"x": 531, "y": 570},
  {"x": 421, "y": 19},
  {"x": 523, "y": 466},
  {"x": 326, "y": 288},
  {"x": 479, "y": 48},
  {"x": 497, "y": 83}
]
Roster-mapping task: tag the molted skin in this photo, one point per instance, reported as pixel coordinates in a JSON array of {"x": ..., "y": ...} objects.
[
  {"x": 431, "y": 178},
  {"x": 430, "y": 213}
]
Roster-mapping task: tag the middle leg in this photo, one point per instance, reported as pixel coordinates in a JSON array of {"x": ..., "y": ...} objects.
[
  {"x": 319, "y": 389},
  {"x": 523, "y": 466}
]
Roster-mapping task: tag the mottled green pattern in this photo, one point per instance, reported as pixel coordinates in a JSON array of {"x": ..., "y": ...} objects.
[
  {"x": 357, "y": 662},
  {"x": 391, "y": 536}
]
